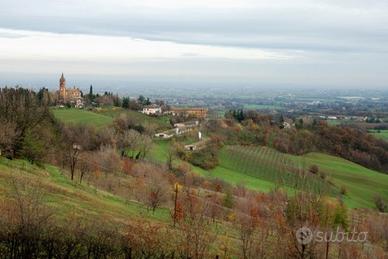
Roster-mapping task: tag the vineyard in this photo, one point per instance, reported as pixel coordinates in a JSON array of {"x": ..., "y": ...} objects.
[
  {"x": 272, "y": 166},
  {"x": 262, "y": 169}
]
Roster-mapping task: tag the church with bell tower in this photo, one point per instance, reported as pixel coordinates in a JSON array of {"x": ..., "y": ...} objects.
[{"x": 69, "y": 95}]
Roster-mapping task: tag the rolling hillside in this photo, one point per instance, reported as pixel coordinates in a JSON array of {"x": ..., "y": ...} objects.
[
  {"x": 105, "y": 116},
  {"x": 160, "y": 122},
  {"x": 69, "y": 197},
  {"x": 267, "y": 165},
  {"x": 362, "y": 184},
  {"x": 261, "y": 169}
]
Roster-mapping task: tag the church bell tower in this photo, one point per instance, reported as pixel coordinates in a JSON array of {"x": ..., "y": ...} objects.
[{"x": 62, "y": 88}]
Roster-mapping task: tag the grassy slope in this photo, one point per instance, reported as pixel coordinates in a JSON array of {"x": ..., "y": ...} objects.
[
  {"x": 361, "y": 183},
  {"x": 77, "y": 116},
  {"x": 161, "y": 122},
  {"x": 105, "y": 116},
  {"x": 69, "y": 197},
  {"x": 383, "y": 134},
  {"x": 159, "y": 151}
]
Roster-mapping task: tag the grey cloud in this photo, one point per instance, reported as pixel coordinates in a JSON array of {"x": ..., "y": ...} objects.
[
  {"x": 342, "y": 42},
  {"x": 325, "y": 26}
]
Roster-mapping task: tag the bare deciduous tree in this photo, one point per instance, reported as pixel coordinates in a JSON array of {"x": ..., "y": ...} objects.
[
  {"x": 7, "y": 135},
  {"x": 74, "y": 140},
  {"x": 156, "y": 191},
  {"x": 196, "y": 228},
  {"x": 85, "y": 165}
]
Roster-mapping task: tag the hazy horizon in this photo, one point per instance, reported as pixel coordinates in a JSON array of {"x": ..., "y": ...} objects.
[
  {"x": 158, "y": 88},
  {"x": 218, "y": 43}
]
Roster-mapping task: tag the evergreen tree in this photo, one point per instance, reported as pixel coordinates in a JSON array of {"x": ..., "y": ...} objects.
[
  {"x": 125, "y": 103},
  {"x": 281, "y": 121},
  {"x": 141, "y": 99}
]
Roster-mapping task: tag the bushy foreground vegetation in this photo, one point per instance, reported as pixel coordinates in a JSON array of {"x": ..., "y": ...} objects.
[{"x": 242, "y": 224}]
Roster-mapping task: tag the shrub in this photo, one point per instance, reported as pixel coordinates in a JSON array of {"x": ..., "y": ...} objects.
[
  {"x": 343, "y": 190},
  {"x": 381, "y": 204},
  {"x": 206, "y": 158},
  {"x": 228, "y": 200},
  {"x": 314, "y": 169}
]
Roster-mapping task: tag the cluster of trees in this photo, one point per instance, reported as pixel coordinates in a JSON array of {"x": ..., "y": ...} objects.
[
  {"x": 29, "y": 130},
  {"x": 249, "y": 127},
  {"x": 132, "y": 139},
  {"x": 26, "y": 126},
  {"x": 84, "y": 149},
  {"x": 29, "y": 229},
  {"x": 354, "y": 145},
  {"x": 241, "y": 115},
  {"x": 105, "y": 99},
  {"x": 139, "y": 103},
  {"x": 205, "y": 157},
  {"x": 111, "y": 99}
]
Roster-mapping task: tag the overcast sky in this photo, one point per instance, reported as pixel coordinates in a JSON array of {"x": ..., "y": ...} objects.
[{"x": 333, "y": 43}]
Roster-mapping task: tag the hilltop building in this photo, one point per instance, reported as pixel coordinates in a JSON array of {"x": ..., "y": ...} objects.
[
  {"x": 152, "y": 109},
  {"x": 199, "y": 113},
  {"x": 69, "y": 95}
]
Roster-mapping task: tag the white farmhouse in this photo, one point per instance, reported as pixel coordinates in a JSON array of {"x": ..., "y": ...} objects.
[{"x": 152, "y": 110}]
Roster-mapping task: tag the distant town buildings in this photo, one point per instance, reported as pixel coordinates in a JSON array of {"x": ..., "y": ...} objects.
[
  {"x": 69, "y": 95},
  {"x": 152, "y": 109}
]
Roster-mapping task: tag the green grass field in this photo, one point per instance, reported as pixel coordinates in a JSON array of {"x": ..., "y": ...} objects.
[
  {"x": 272, "y": 166},
  {"x": 160, "y": 122},
  {"x": 105, "y": 116},
  {"x": 260, "y": 168},
  {"x": 68, "y": 197},
  {"x": 334, "y": 122},
  {"x": 159, "y": 151},
  {"x": 78, "y": 116},
  {"x": 361, "y": 183},
  {"x": 381, "y": 134}
]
